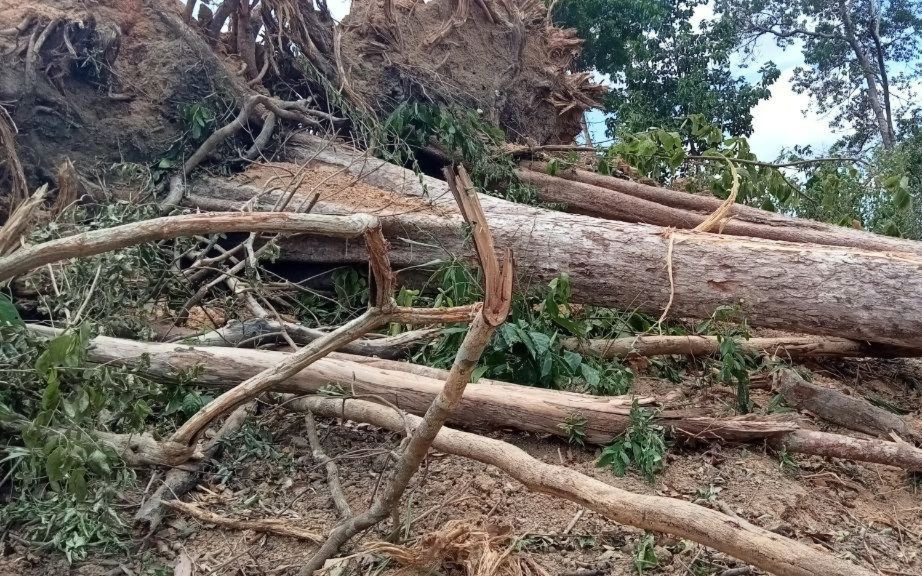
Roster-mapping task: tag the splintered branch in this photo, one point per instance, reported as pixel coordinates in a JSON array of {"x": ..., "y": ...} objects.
[
  {"x": 380, "y": 313},
  {"x": 497, "y": 300}
]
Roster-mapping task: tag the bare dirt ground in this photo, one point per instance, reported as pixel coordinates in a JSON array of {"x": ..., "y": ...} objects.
[{"x": 868, "y": 513}]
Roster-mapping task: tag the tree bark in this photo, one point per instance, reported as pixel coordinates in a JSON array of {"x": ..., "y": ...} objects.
[
  {"x": 795, "y": 287},
  {"x": 613, "y": 198},
  {"x": 734, "y": 536},
  {"x": 694, "y": 345},
  {"x": 486, "y": 404},
  {"x": 864, "y": 63},
  {"x": 847, "y": 411}
]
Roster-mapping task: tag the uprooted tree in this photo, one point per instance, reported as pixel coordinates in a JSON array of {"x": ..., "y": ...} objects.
[{"x": 129, "y": 100}]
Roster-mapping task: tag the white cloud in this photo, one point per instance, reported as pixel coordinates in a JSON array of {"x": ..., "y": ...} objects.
[{"x": 780, "y": 122}]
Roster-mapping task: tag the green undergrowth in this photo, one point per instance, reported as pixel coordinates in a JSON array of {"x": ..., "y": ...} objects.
[
  {"x": 60, "y": 487},
  {"x": 462, "y": 136}
]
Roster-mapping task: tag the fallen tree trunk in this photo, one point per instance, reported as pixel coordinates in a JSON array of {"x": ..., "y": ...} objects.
[
  {"x": 796, "y": 287},
  {"x": 486, "y": 404},
  {"x": 734, "y": 536},
  {"x": 833, "y": 406},
  {"x": 602, "y": 196},
  {"x": 694, "y": 345}
]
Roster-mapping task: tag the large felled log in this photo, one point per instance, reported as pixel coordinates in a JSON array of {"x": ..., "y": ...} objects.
[
  {"x": 734, "y": 536},
  {"x": 838, "y": 408},
  {"x": 486, "y": 403},
  {"x": 696, "y": 345},
  {"x": 594, "y": 194},
  {"x": 797, "y": 287}
]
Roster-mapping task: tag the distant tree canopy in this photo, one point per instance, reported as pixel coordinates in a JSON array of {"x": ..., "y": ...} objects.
[
  {"x": 663, "y": 69},
  {"x": 861, "y": 57}
]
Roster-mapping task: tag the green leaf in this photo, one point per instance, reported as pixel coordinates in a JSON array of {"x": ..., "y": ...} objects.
[
  {"x": 603, "y": 167},
  {"x": 552, "y": 167},
  {"x": 478, "y": 373},
  {"x": 52, "y": 393},
  {"x": 76, "y": 483},
  {"x": 541, "y": 341},
  {"x": 902, "y": 199},
  {"x": 591, "y": 375},
  {"x": 572, "y": 360},
  {"x": 547, "y": 366},
  {"x": 54, "y": 466},
  {"x": 8, "y": 313}
]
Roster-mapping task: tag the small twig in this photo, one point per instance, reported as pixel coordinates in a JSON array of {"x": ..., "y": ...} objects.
[
  {"x": 576, "y": 517},
  {"x": 89, "y": 294}
]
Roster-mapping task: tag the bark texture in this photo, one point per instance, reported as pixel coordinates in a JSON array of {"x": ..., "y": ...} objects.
[
  {"x": 485, "y": 404},
  {"x": 834, "y": 406},
  {"x": 602, "y": 196},
  {"x": 803, "y": 288},
  {"x": 694, "y": 345}
]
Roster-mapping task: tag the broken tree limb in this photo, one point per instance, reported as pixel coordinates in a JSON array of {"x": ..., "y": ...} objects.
[
  {"x": 276, "y": 526},
  {"x": 899, "y": 454},
  {"x": 833, "y": 406},
  {"x": 608, "y": 197},
  {"x": 260, "y": 330},
  {"x": 108, "y": 239},
  {"x": 695, "y": 345},
  {"x": 486, "y": 404},
  {"x": 804, "y": 288},
  {"x": 496, "y": 304},
  {"x": 180, "y": 479},
  {"x": 734, "y": 536},
  {"x": 320, "y": 457}
]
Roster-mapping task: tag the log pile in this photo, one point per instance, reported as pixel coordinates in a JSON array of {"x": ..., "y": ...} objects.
[
  {"x": 626, "y": 245},
  {"x": 824, "y": 289}
]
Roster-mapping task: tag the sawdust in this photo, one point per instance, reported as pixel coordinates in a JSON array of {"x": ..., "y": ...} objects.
[{"x": 335, "y": 185}]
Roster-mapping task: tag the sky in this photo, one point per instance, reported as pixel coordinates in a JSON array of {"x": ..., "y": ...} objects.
[{"x": 781, "y": 121}]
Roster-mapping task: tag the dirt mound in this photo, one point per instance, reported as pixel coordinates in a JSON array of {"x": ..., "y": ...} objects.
[
  {"x": 503, "y": 57},
  {"x": 102, "y": 83}
]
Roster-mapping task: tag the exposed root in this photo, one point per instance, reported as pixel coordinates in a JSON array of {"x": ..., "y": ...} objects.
[
  {"x": 19, "y": 220},
  {"x": 18, "y": 187}
]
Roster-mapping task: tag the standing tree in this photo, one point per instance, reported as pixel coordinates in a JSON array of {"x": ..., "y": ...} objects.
[
  {"x": 663, "y": 69},
  {"x": 862, "y": 56}
]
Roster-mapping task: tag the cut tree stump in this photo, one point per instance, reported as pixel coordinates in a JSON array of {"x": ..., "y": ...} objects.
[{"x": 804, "y": 288}]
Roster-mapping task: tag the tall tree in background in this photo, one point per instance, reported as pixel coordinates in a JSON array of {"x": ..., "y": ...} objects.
[
  {"x": 862, "y": 56},
  {"x": 662, "y": 68}
]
